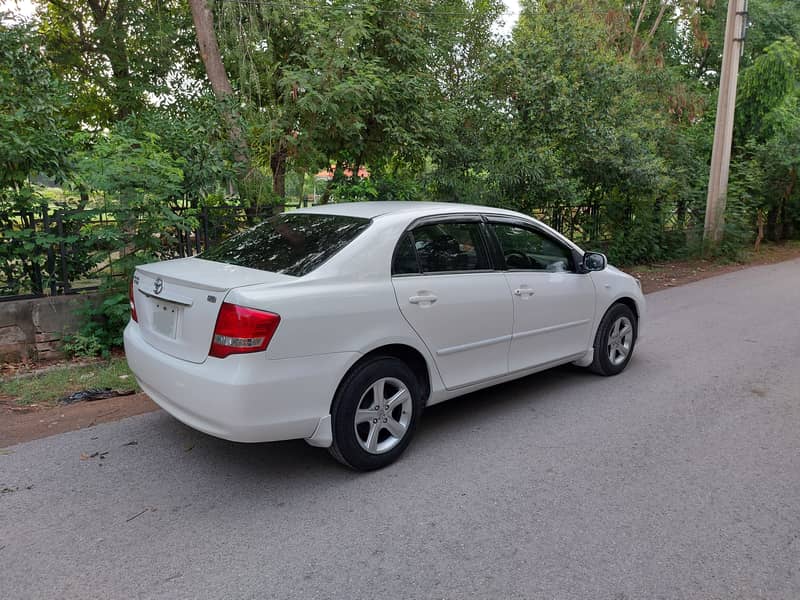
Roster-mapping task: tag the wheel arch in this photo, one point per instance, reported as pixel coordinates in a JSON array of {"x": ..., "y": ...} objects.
[
  {"x": 630, "y": 303},
  {"x": 408, "y": 354}
]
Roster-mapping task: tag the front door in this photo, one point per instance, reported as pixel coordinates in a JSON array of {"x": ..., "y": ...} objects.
[
  {"x": 448, "y": 292},
  {"x": 553, "y": 305}
]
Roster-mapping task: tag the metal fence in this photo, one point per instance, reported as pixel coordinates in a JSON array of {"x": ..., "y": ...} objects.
[
  {"x": 593, "y": 224},
  {"x": 64, "y": 251},
  {"x": 59, "y": 251}
]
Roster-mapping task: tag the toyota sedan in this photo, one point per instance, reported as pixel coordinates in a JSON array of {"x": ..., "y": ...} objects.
[{"x": 338, "y": 324}]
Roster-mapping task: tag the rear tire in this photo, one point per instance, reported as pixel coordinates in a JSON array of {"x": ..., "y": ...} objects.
[
  {"x": 614, "y": 341},
  {"x": 374, "y": 414}
]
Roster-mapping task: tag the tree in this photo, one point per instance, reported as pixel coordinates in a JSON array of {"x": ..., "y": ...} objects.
[
  {"x": 118, "y": 53},
  {"x": 33, "y": 134},
  {"x": 334, "y": 82},
  {"x": 34, "y": 140},
  {"x": 365, "y": 93},
  {"x": 768, "y": 136},
  {"x": 260, "y": 42},
  {"x": 221, "y": 85}
]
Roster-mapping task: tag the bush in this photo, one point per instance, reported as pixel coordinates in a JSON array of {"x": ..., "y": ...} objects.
[{"x": 103, "y": 327}]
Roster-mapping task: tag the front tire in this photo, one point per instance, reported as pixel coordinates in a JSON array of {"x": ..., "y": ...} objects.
[
  {"x": 614, "y": 341},
  {"x": 375, "y": 413}
]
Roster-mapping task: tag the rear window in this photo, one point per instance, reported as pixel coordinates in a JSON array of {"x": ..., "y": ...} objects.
[{"x": 292, "y": 244}]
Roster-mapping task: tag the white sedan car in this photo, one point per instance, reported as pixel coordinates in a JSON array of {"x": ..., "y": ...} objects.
[{"x": 339, "y": 324}]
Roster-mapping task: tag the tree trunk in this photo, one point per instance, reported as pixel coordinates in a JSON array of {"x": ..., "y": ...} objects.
[
  {"x": 787, "y": 223},
  {"x": 636, "y": 28},
  {"x": 772, "y": 225},
  {"x": 277, "y": 163},
  {"x": 680, "y": 215},
  {"x": 84, "y": 193},
  {"x": 326, "y": 195},
  {"x": 120, "y": 65},
  {"x": 113, "y": 45},
  {"x": 220, "y": 84},
  {"x": 302, "y": 174},
  {"x": 652, "y": 33},
  {"x": 760, "y": 223}
]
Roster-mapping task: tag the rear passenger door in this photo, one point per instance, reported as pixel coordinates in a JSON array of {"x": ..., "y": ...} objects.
[
  {"x": 553, "y": 303},
  {"x": 449, "y": 293}
]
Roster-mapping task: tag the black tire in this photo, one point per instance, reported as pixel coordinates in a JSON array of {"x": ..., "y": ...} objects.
[
  {"x": 357, "y": 389},
  {"x": 603, "y": 363}
]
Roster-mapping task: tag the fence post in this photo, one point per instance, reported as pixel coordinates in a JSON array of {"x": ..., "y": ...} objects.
[
  {"x": 181, "y": 250},
  {"x": 205, "y": 227},
  {"x": 62, "y": 250},
  {"x": 197, "y": 239},
  {"x": 36, "y": 271},
  {"x": 51, "y": 257}
]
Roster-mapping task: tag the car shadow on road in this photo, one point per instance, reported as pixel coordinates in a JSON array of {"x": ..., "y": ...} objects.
[
  {"x": 296, "y": 460},
  {"x": 497, "y": 401}
]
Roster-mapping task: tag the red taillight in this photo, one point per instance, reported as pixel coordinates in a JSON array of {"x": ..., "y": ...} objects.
[
  {"x": 240, "y": 330},
  {"x": 133, "y": 304}
]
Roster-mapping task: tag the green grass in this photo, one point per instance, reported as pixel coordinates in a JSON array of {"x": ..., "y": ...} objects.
[{"x": 49, "y": 386}]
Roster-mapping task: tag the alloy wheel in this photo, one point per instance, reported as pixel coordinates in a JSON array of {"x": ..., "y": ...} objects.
[
  {"x": 620, "y": 340},
  {"x": 383, "y": 415}
]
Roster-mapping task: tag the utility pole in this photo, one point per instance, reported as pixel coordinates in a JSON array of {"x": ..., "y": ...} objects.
[{"x": 735, "y": 28}]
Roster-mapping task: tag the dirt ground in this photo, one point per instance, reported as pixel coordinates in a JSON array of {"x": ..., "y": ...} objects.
[
  {"x": 20, "y": 424},
  {"x": 669, "y": 274}
]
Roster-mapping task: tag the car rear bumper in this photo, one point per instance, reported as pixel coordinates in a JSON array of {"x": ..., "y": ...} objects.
[{"x": 246, "y": 398}]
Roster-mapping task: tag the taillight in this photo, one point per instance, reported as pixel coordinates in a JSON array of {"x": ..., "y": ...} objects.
[
  {"x": 240, "y": 330},
  {"x": 133, "y": 304}
]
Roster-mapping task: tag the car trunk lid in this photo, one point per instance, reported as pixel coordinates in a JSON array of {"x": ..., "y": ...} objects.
[{"x": 177, "y": 302}]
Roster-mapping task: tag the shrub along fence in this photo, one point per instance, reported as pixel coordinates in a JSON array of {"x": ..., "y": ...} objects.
[{"x": 49, "y": 252}]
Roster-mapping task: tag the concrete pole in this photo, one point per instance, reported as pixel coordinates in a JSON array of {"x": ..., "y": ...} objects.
[{"x": 723, "y": 131}]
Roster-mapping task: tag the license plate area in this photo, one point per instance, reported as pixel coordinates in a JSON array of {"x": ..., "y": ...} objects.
[{"x": 165, "y": 318}]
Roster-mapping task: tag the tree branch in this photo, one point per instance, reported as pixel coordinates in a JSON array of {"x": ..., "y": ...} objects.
[
  {"x": 636, "y": 28},
  {"x": 651, "y": 34}
]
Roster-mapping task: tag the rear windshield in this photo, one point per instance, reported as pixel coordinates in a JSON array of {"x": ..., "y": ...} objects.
[{"x": 292, "y": 244}]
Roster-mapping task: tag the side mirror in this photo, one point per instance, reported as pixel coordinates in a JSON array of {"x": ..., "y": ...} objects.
[{"x": 594, "y": 261}]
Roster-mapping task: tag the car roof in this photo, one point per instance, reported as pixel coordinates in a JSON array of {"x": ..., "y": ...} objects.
[{"x": 370, "y": 210}]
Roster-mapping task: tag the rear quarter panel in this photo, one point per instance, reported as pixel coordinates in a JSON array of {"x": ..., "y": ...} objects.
[
  {"x": 347, "y": 305},
  {"x": 321, "y": 317}
]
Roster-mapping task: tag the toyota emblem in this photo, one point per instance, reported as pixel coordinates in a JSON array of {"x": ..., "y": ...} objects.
[{"x": 158, "y": 286}]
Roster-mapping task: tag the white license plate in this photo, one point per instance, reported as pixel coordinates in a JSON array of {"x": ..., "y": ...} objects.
[{"x": 165, "y": 318}]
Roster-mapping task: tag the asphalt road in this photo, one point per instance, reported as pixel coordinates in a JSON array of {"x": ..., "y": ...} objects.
[{"x": 678, "y": 479}]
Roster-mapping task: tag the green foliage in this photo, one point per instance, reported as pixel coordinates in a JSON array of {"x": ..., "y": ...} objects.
[
  {"x": 133, "y": 168},
  {"x": 118, "y": 53},
  {"x": 48, "y": 386},
  {"x": 87, "y": 342},
  {"x": 352, "y": 189},
  {"x": 33, "y": 136},
  {"x": 103, "y": 324},
  {"x": 394, "y": 184},
  {"x": 563, "y": 121},
  {"x": 579, "y": 107},
  {"x": 765, "y": 88},
  {"x": 365, "y": 94},
  {"x": 33, "y": 140},
  {"x": 765, "y": 169}
]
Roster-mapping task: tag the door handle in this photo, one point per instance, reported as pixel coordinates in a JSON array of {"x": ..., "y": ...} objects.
[
  {"x": 524, "y": 292},
  {"x": 426, "y": 299}
]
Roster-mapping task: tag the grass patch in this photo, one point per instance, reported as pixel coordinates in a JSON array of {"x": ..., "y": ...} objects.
[{"x": 48, "y": 386}]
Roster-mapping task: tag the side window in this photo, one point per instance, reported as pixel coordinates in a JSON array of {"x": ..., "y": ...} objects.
[
  {"x": 531, "y": 250},
  {"x": 444, "y": 247},
  {"x": 405, "y": 258}
]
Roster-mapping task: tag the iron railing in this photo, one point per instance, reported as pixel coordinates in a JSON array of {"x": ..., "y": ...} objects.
[{"x": 72, "y": 250}]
